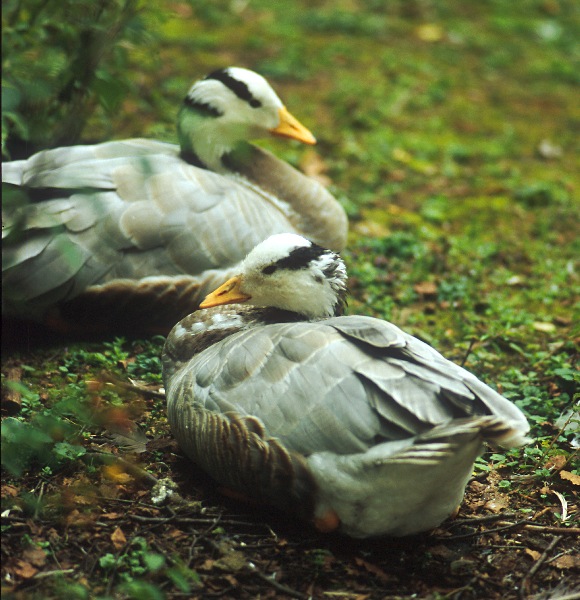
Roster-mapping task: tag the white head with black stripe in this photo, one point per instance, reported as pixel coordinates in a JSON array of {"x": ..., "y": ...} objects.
[
  {"x": 287, "y": 272},
  {"x": 230, "y": 106}
]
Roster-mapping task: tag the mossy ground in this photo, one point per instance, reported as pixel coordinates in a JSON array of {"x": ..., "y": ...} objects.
[{"x": 450, "y": 132}]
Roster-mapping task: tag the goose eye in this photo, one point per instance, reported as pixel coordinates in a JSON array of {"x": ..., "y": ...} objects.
[
  {"x": 254, "y": 103},
  {"x": 269, "y": 269}
]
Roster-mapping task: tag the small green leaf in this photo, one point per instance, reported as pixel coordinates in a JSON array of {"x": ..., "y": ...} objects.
[
  {"x": 141, "y": 590},
  {"x": 153, "y": 561}
]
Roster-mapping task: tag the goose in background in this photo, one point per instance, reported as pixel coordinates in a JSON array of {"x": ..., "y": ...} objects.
[
  {"x": 129, "y": 236},
  {"x": 346, "y": 421}
]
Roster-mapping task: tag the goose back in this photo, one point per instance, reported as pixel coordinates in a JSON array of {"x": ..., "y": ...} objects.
[
  {"x": 305, "y": 380},
  {"x": 347, "y": 420},
  {"x": 102, "y": 221},
  {"x": 348, "y": 416}
]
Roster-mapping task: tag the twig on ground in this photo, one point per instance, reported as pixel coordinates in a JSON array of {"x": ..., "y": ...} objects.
[
  {"x": 38, "y": 503},
  {"x": 155, "y": 520},
  {"x": 463, "y": 536},
  {"x": 486, "y": 518},
  {"x": 129, "y": 501},
  {"x": 471, "y": 344},
  {"x": 277, "y": 586},
  {"x": 505, "y": 525},
  {"x": 193, "y": 520},
  {"x": 524, "y": 586},
  {"x": 133, "y": 387},
  {"x": 14, "y": 518},
  {"x": 44, "y": 574},
  {"x": 553, "y": 529}
]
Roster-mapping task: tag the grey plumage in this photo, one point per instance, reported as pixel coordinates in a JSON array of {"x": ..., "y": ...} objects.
[
  {"x": 102, "y": 219},
  {"x": 344, "y": 420},
  {"x": 321, "y": 378}
]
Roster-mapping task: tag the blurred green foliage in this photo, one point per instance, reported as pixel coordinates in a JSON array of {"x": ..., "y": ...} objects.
[
  {"x": 62, "y": 60},
  {"x": 51, "y": 438}
]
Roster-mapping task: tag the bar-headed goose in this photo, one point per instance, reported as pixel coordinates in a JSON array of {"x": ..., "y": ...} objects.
[
  {"x": 346, "y": 421},
  {"x": 131, "y": 235}
]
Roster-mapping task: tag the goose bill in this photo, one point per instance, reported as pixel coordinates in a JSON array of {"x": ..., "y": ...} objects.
[
  {"x": 228, "y": 293},
  {"x": 290, "y": 127}
]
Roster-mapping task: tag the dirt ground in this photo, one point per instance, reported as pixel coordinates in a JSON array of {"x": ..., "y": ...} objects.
[{"x": 97, "y": 524}]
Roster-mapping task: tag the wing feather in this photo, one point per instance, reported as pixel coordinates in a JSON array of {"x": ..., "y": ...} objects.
[
  {"x": 127, "y": 211},
  {"x": 306, "y": 380}
]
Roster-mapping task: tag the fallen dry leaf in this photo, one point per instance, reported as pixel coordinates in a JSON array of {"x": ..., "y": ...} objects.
[
  {"x": 533, "y": 553},
  {"x": 207, "y": 565},
  {"x": 117, "y": 419},
  {"x": 94, "y": 385},
  {"x": 35, "y": 556},
  {"x": 429, "y": 32},
  {"x": 556, "y": 462},
  {"x": 376, "y": 571},
  {"x": 25, "y": 569},
  {"x": 118, "y": 538},
  {"x": 9, "y": 491},
  {"x": 81, "y": 499},
  {"x": 110, "y": 516},
  {"x": 116, "y": 473},
  {"x": 53, "y": 535},
  {"x": 546, "y": 149},
  {"x": 371, "y": 229},
  {"x": 233, "y": 561},
  {"x": 442, "y": 552},
  {"x": 109, "y": 490},
  {"x": 232, "y": 580},
  {"x": 426, "y": 288},
  {"x": 497, "y": 505},
  {"x": 574, "y": 479},
  {"x": 78, "y": 519},
  {"x": 567, "y": 561},
  {"x": 543, "y": 326}
]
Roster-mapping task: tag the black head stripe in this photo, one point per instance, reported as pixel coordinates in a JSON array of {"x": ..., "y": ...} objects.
[
  {"x": 239, "y": 88},
  {"x": 202, "y": 107},
  {"x": 192, "y": 158},
  {"x": 301, "y": 257}
]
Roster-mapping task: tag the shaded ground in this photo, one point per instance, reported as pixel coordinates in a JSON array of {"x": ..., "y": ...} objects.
[
  {"x": 450, "y": 132},
  {"x": 100, "y": 524},
  {"x": 107, "y": 524}
]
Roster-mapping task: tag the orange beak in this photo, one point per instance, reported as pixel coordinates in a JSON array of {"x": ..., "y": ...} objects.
[
  {"x": 228, "y": 293},
  {"x": 291, "y": 127}
]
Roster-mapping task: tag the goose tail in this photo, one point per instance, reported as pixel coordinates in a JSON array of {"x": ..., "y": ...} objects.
[
  {"x": 496, "y": 431},
  {"x": 507, "y": 434}
]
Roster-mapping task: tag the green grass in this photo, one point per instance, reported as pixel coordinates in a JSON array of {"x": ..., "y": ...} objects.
[{"x": 430, "y": 118}]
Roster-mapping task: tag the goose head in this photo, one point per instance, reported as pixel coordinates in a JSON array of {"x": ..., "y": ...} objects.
[
  {"x": 288, "y": 272},
  {"x": 231, "y": 106}
]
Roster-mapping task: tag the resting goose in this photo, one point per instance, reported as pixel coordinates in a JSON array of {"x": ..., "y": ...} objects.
[
  {"x": 347, "y": 421},
  {"x": 131, "y": 235}
]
